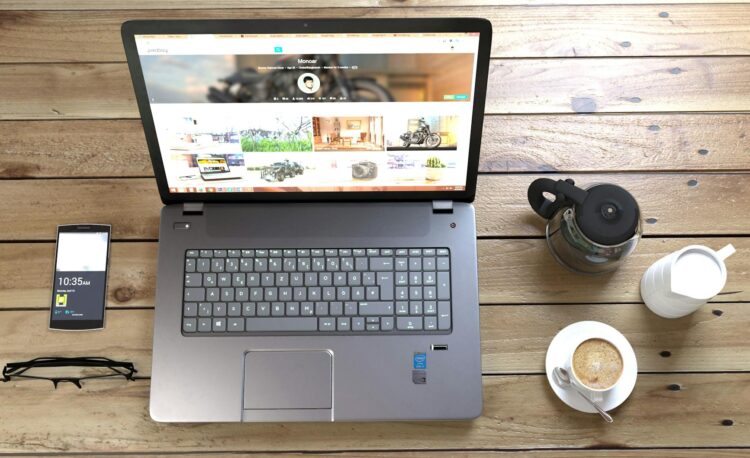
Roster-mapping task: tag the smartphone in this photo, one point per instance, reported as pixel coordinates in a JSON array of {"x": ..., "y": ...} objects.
[{"x": 79, "y": 288}]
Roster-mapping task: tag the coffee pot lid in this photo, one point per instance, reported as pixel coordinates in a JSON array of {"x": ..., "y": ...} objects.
[{"x": 609, "y": 215}]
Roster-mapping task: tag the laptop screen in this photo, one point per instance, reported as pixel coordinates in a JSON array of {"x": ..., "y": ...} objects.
[{"x": 312, "y": 112}]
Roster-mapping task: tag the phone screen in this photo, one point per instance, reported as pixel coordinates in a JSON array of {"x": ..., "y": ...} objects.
[{"x": 80, "y": 281}]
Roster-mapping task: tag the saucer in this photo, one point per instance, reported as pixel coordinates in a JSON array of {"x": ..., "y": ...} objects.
[{"x": 560, "y": 348}]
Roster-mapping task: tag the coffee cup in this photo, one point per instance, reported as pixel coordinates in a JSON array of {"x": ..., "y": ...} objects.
[
  {"x": 681, "y": 282},
  {"x": 595, "y": 366}
]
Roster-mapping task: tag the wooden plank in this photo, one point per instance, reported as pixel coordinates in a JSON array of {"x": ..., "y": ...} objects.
[
  {"x": 520, "y": 413},
  {"x": 615, "y": 142},
  {"x": 580, "y": 31},
  {"x": 619, "y": 85},
  {"x": 61, "y": 5},
  {"x": 540, "y": 143},
  {"x": 127, "y": 336},
  {"x": 26, "y": 279},
  {"x": 103, "y": 148},
  {"x": 514, "y": 338},
  {"x": 510, "y": 272},
  {"x": 523, "y": 271},
  {"x": 606, "y": 85},
  {"x": 715, "y": 204},
  {"x": 591, "y": 453}
]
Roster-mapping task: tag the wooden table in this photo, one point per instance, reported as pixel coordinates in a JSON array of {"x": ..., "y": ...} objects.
[{"x": 667, "y": 92}]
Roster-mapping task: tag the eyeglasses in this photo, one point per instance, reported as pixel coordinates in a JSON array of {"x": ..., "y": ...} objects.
[{"x": 102, "y": 368}]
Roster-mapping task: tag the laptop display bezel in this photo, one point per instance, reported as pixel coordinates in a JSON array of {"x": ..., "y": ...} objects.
[{"x": 281, "y": 26}]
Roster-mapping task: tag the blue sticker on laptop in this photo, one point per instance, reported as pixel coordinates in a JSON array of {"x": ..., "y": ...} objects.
[{"x": 420, "y": 360}]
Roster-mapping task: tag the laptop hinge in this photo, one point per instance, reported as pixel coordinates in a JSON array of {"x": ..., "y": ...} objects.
[
  {"x": 442, "y": 206},
  {"x": 192, "y": 208}
]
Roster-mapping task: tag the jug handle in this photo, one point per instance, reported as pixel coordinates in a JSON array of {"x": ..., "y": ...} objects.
[
  {"x": 726, "y": 252},
  {"x": 565, "y": 194}
]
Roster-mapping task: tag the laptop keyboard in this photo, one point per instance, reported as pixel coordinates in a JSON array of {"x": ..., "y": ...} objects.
[{"x": 317, "y": 291}]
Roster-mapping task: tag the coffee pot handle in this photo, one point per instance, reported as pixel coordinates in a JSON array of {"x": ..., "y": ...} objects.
[{"x": 565, "y": 191}]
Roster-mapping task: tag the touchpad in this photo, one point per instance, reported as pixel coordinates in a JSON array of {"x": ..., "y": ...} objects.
[{"x": 288, "y": 379}]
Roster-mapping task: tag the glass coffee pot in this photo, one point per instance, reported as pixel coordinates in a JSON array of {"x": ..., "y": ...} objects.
[{"x": 590, "y": 230}]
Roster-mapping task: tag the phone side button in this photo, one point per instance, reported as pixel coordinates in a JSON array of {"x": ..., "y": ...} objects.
[{"x": 189, "y": 324}]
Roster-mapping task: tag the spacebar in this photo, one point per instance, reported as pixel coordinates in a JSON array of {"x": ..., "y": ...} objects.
[{"x": 281, "y": 324}]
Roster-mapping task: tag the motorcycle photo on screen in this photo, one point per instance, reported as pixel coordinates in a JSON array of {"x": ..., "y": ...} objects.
[
  {"x": 422, "y": 136},
  {"x": 249, "y": 85}
]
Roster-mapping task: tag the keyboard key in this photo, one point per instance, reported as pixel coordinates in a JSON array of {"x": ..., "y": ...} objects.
[
  {"x": 194, "y": 295},
  {"x": 409, "y": 323},
  {"x": 327, "y": 324},
  {"x": 402, "y": 264},
  {"x": 232, "y": 265},
  {"x": 189, "y": 324},
  {"x": 380, "y": 264},
  {"x": 189, "y": 265},
  {"x": 307, "y": 309},
  {"x": 444, "y": 285},
  {"x": 209, "y": 279},
  {"x": 203, "y": 265},
  {"x": 373, "y": 326},
  {"x": 343, "y": 324},
  {"x": 217, "y": 265},
  {"x": 376, "y": 308},
  {"x": 358, "y": 323},
  {"x": 428, "y": 263},
  {"x": 205, "y": 309},
  {"x": 386, "y": 323},
  {"x": 350, "y": 308},
  {"x": 248, "y": 309},
  {"x": 224, "y": 279},
  {"x": 428, "y": 252},
  {"x": 220, "y": 309},
  {"x": 190, "y": 309},
  {"x": 321, "y": 308},
  {"x": 235, "y": 324},
  {"x": 443, "y": 264},
  {"x": 430, "y": 323},
  {"x": 402, "y": 308},
  {"x": 444, "y": 315},
  {"x": 292, "y": 308},
  {"x": 234, "y": 309},
  {"x": 206, "y": 253},
  {"x": 277, "y": 309},
  {"x": 372, "y": 293},
  {"x": 430, "y": 308},
  {"x": 252, "y": 279},
  {"x": 204, "y": 324},
  {"x": 233, "y": 253},
  {"x": 415, "y": 252},
  {"x": 415, "y": 263},
  {"x": 220, "y": 325},
  {"x": 263, "y": 309},
  {"x": 442, "y": 252},
  {"x": 415, "y": 308},
  {"x": 191, "y": 253},
  {"x": 220, "y": 253},
  {"x": 281, "y": 324},
  {"x": 336, "y": 308}
]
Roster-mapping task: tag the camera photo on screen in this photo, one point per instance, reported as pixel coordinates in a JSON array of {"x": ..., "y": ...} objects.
[{"x": 256, "y": 78}]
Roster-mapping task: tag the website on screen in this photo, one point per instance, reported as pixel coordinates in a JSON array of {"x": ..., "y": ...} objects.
[{"x": 311, "y": 113}]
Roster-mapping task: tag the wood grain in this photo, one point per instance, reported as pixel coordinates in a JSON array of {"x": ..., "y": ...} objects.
[
  {"x": 652, "y": 453},
  {"x": 62, "y": 5},
  {"x": 583, "y": 85},
  {"x": 520, "y": 412},
  {"x": 510, "y": 272},
  {"x": 580, "y": 31},
  {"x": 681, "y": 204},
  {"x": 614, "y": 142},
  {"x": 540, "y": 143},
  {"x": 514, "y": 338}
]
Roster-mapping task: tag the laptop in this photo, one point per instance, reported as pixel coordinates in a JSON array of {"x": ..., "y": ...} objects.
[
  {"x": 215, "y": 168},
  {"x": 336, "y": 280}
]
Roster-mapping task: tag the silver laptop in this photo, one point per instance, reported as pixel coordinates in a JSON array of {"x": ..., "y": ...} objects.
[{"x": 334, "y": 278}]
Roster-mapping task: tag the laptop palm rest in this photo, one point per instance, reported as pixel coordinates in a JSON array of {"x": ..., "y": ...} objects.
[{"x": 288, "y": 385}]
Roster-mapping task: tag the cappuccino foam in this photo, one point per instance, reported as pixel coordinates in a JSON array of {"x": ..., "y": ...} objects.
[{"x": 597, "y": 364}]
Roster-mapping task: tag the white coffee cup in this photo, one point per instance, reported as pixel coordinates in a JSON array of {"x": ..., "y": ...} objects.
[
  {"x": 595, "y": 394},
  {"x": 681, "y": 282}
]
